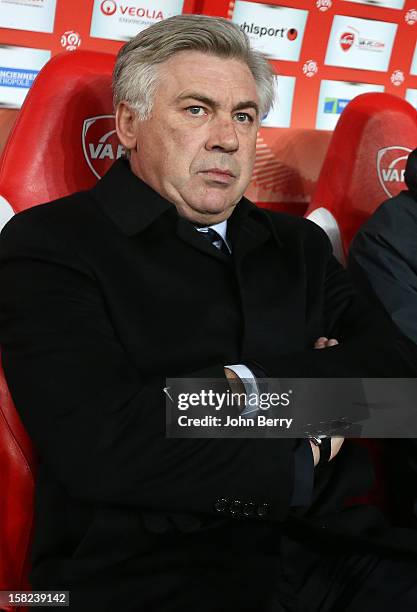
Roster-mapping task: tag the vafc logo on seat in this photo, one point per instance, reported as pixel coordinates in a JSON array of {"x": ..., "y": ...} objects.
[
  {"x": 390, "y": 162},
  {"x": 100, "y": 143}
]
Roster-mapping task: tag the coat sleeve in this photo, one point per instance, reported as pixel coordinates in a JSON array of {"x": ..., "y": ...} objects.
[
  {"x": 95, "y": 421},
  {"x": 370, "y": 345},
  {"x": 383, "y": 262}
]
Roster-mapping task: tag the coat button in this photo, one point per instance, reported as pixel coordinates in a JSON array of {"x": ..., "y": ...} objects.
[
  {"x": 221, "y": 505},
  {"x": 249, "y": 509},
  {"x": 262, "y": 510},
  {"x": 235, "y": 507}
]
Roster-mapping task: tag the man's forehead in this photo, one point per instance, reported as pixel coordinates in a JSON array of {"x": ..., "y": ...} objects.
[{"x": 193, "y": 71}]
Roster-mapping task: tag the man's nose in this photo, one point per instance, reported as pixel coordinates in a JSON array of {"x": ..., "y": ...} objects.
[{"x": 222, "y": 135}]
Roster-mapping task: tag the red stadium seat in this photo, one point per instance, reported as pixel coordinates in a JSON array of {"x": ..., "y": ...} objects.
[
  {"x": 364, "y": 164},
  {"x": 17, "y": 468},
  {"x": 63, "y": 141},
  {"x": 64, "y": 137}
]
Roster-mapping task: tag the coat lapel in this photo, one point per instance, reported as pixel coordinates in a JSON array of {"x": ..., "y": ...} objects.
[
  {"x": 249, "y": 228},
  {"x": 129, "y": 202}
]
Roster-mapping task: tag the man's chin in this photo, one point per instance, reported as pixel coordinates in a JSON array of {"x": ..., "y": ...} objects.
[
  {"x": 207, "y": 213},
  {"x": 212, "y": 208}
]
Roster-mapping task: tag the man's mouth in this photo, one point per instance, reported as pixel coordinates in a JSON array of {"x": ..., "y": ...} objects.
[{"x": 218, "y": 175}]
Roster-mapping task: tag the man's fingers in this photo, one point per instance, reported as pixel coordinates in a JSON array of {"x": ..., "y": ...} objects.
[
  {"x": 336, "y": 446},
  {"x": 320, "y": 342},
  {"x": 324, "y": 342}
]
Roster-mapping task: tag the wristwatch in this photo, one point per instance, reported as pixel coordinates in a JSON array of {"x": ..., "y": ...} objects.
[{"x": 325, "y": 445}]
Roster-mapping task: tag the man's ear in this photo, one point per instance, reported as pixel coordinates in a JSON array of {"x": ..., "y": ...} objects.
[{"x": 126, "y": 125}]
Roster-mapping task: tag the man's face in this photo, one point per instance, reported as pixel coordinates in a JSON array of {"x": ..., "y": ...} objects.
[{"x": 198, "y": 147}]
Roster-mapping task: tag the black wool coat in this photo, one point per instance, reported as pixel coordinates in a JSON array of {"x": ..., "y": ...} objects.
[{"x": 107, "y": 292}]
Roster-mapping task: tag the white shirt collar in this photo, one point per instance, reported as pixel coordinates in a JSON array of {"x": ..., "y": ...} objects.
[{"x": 220, "y": 228}]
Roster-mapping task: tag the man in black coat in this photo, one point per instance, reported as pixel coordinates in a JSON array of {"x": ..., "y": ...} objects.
[
  {"x": 383, "y": 265},
  {"x": 107, "y": 293},
  {"x": 383, "y": 255}
]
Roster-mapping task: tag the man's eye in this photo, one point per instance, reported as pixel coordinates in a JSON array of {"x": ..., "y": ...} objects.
[
  {"x": 244, "y": 118},
  {"x": 197, "y": 111}
]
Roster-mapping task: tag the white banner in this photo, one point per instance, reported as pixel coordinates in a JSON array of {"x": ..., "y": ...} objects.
[
  {"x": 18, "y": 68},
  {"x": 277, "y": 31},
  {"x": 395, "y": 4},
  {"x": 335, "y": 96},
  {"x": 411, "y": 97},
  {"x": 123, "y": 19},
  {"x": 280, "y": 113},
  {"x": 360, "y": 43},
  {"x": 33, "y": 15}
]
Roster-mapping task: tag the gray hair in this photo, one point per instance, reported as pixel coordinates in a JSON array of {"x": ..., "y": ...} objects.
[{"x": 135, "y": 76}]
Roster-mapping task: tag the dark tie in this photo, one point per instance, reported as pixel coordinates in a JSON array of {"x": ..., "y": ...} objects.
[{"x": 216, "y": 240}]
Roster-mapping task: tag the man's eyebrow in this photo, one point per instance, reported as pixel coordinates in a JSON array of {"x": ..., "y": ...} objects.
[
  {"x": 247, "y": 104},
  {"x": 210, "y": 102},
  {"x": 198, "y": 96}
]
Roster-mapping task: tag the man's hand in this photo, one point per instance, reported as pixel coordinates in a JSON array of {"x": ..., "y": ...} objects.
[
  {"x": 234, "y": 381},
  {"x": 321, "y": 343},
  {"x": 237, "y": 387},
  {"x": 336, "y": 444},
  {"x": 324, "y": 342}
]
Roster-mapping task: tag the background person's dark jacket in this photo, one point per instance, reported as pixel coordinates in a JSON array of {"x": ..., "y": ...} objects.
[
  {"x": 383, "y": 260},
  {"x": 383, "y": 266}
]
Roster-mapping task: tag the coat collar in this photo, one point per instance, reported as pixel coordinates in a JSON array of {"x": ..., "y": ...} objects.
[
  {"x": 129, "y": 202},
  {"x": 133, "y": 206}
]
